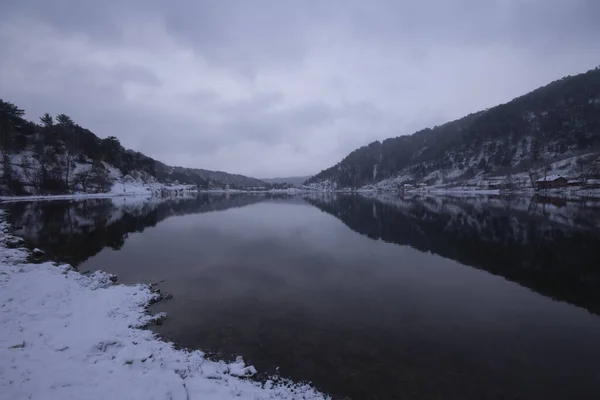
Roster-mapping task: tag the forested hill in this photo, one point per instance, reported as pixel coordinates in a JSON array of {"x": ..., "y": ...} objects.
[
  {"x": 553, "y": 122},
  {"x": 57, "y": 156},
  {"x": 292, "y": 180}
]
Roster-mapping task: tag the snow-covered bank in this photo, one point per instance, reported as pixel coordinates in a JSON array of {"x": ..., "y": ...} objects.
[
  {"x": 119, "y": 189},
  {"x": 64, "y": 335}
]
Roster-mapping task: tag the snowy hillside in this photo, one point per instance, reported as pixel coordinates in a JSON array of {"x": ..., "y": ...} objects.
[
  {"x": 59, "y": 157},
  {"x": 292, "y": 180},
  {"x": 87, "y": 177},
  {"x": 557, "y": 122},
  {"x": 581, "y": 168}
]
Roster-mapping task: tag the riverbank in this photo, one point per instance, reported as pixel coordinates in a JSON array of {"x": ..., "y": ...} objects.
[
  {"x": 118, "y": 189},
  {"x": 149, "y": 190},
  {"x": 64, "y": 335}
]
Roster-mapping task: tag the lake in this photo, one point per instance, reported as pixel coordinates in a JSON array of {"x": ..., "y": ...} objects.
[{"x": 367, "y": 297}]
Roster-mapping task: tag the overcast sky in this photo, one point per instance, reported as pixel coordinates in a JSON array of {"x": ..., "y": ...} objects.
[{"x": 281, "y": 88}]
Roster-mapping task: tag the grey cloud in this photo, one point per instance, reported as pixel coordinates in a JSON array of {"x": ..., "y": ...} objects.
[
  {"x": 254, "y": 32},
  {"x": 348, "y": 71},
  {"x": 201, "y": 97},
  {"x": 102, "y": 20},
  {"x": 134, "y": 73}
]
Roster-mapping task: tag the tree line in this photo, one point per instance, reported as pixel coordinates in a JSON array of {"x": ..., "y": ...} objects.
[
  {"x": 57, "y": 155},
  {"x": 553, "y": 121}
]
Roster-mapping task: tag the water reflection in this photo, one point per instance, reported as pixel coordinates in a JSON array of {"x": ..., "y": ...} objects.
[
  {"x": 386, "y": 309},
  {"x": 74, "y": 230},
  {"x": 548, "y": 244}
]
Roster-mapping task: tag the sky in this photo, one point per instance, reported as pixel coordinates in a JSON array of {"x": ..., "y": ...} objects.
[{"x": 281, "y": 87}]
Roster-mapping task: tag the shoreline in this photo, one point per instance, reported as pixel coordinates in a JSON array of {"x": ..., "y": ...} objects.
[
  {"x": 12, "y": 199},
  {"x": 149, "y": 192},
  {"x": 68, "y": 335}
]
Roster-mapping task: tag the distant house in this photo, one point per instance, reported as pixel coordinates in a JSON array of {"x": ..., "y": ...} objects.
[{"x": 551, "y": 182}]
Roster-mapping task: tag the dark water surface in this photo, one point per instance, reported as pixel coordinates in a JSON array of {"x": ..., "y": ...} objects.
[{"x": 368, "y": 298}]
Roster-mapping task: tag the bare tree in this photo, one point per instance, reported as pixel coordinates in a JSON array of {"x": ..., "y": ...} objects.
[
  {"x": 585, "y": 167},
  {"x": 99, "y": 178},
  {"x": 533, "y": 177},
  {"x": 82, "y": 179},
  {"x": 509, "y": 181}
]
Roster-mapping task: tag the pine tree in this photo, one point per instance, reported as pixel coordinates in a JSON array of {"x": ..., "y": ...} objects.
[
  {"x": 67, "y": 130},
  {"x": 47, "y": 120},
  {"x": 10, "y": 121}
]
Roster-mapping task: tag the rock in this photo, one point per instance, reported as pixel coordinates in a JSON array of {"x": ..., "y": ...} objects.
[
  {"x": 38, "y": 253},
  {"x": 157, "y": 319},
  {"x": 14, "y": 242},
  {"x": 65, "y": 268},
  {"x": 239, "y": 368}
]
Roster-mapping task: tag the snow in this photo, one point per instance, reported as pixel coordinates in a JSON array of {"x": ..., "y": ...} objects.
[
  {"x": 119, "y": 188},
  {"x": 323, "y": 185},
  {"x": 463, "y": 190},
  {"x": 549, "y": 178},
  {"x": 69, "y": 336},
  {"x": 135, "y": 183},
  {"x": 461, "y": 166}
]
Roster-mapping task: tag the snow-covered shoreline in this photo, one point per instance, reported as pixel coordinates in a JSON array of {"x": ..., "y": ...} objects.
[
  {"x": 167, "y": 189},
  {"x": 64, "y": 335},
  {"x": 79, "y": 196},
  {"x": 118, "y": 189}
]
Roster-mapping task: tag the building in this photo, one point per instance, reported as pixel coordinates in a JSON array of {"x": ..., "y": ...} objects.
[{"x": 551, "y": 182}]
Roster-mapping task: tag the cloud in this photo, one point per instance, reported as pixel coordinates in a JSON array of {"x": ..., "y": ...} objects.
[{"x": 272, "y": 88}]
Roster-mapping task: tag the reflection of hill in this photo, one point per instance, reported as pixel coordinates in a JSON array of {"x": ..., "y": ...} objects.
[
  {"x": 554, "y": 256},
  {"x": 72, "y": 231}
]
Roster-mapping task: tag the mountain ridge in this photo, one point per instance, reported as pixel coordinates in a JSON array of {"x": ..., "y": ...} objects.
[
  {"x": 526, "y": 133},
  {"x": 291, "y": 180},
  {"x": 59, "y": 156}
]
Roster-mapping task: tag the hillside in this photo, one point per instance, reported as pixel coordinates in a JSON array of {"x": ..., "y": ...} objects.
[
  {"x": 59, "y": 156},
  {"x": 205, "y": 177},
  {"x": 557, "y": 121},
  {"x": 292, "y": 180}
]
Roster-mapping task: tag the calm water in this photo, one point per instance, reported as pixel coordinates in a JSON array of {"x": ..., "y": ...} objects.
[{"x": 368, "y": 298}]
